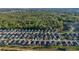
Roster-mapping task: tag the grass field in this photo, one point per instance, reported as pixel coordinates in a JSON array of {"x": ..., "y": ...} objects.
[{"x": 39, "y": 48}]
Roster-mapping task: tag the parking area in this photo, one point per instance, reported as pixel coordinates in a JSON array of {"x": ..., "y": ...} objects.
[{"x": 26, "y": 37}]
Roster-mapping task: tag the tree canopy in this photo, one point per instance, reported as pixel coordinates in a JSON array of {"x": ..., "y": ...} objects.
[{"x": 42, "y": 20}]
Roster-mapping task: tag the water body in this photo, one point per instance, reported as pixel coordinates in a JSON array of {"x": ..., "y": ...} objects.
[{"x": 71, "y": 25}]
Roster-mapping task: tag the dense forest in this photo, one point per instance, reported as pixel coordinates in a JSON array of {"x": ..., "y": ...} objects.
[{"x": 36, "y": 20}]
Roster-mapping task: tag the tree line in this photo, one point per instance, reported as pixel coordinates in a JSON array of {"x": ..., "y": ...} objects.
[{"x": 36, "y": 20}]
